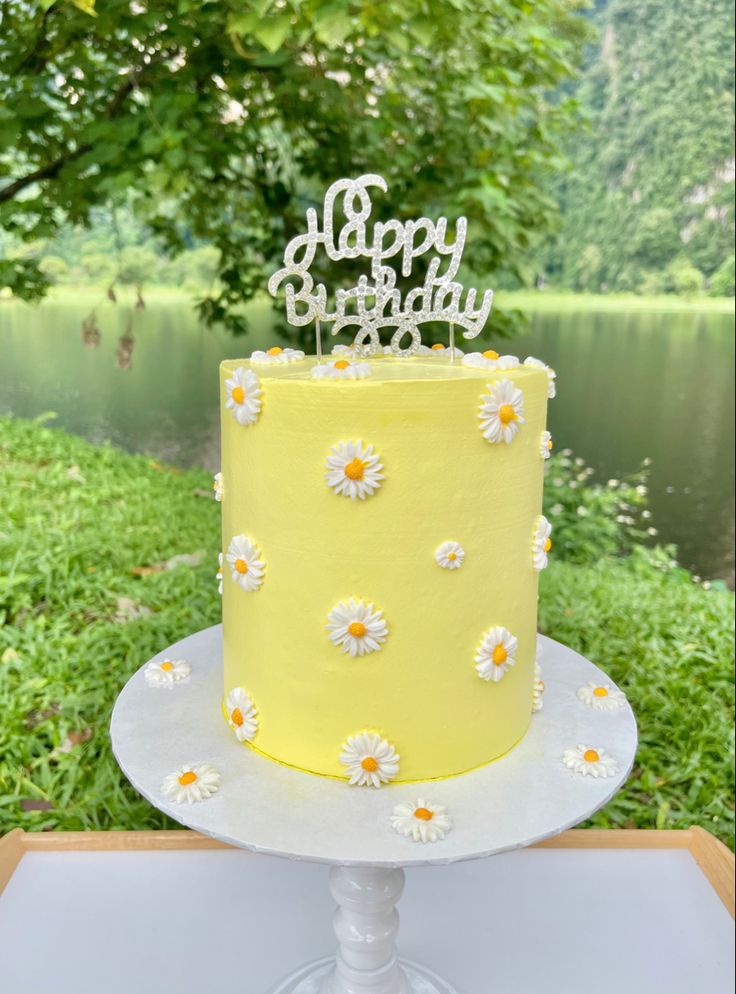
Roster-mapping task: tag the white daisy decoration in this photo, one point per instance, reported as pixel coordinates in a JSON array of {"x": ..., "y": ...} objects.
[
  {"x": 218, "y": 574},
  {"x": 243, "y": 396},
  {"x": 496, "y": 653},
  {"x": 276, "y": 356},
  {"x": 217, "y": 486},
  {"x": 421, "y": 820},
  {"x": 167, "y": 672},
  {"x": 551, "y": 374},
  {"x": 353, "y": 470},
  {"x": 190, "y": 784},
  {"x": 341, "y": 369},
  {"x": 356, "y": 627},
  {"x": 244, "y": 559},
  {"x": 242, "y": 716},
  {"x": 545, "y": 445},
  {"x": 501, "y": 412},
  {"x": 601, "y": 696},
  {"x": 343, "y": 350},
  {"x": 450, "y": 555},
  {"x": 438, "y": 349},
  {"x": 542, "y": 543},
  {"x": 590, "y": 762},
  {"x": 538, "y": 691},
  {"x": 490, "y": 359},
  {"x": 369, "y": 760}
]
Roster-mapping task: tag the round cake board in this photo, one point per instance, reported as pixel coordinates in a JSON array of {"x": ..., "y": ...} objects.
[{"x": 523, "y": 797}]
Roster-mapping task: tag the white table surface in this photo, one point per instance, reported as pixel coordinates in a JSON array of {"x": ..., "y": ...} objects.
[{"x": 539, "y": 921}]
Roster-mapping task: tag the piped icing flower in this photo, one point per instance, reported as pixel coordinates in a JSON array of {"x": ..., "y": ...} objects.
[
  {"x": 218, "y": 574},
  {"x": 217, "y": 486},
  {"x": 450, "y": 555},
  {"x": 501, "y": 412},
  {"x": 542, "y": 543},
  {"x": 496, "y": 653},
  {"x": 590, "y": 762},
  {"x": 421, "y": 820},
  {"x": 341, "y": 369},
  {"x": 356, "y": 627},
  {"x": 190, "y": 784},
  {"x": 242, "y": 716},
  {"x": 438, "y": 349},
  {"x": 490, "y": 359},
  {"x": 244, "y": 559},
  {"x": 276, "y": 356},
  {"x": 243, "y": 396},
  {"x": 167, "y": 672},
  {"x": 601, "y": 696},
  {"x": 538, "y": 691},
  {"x": 353, "y": 470},
  {"x": 551, "y": 374},
  {"x": 545, "y": 445},
  {"x": 369, "y": 760}
]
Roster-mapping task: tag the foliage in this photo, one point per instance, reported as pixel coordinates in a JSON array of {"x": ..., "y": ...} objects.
[
  {"x": 723, "y": 282},
  {"x": 85, "y": 598},
  {"x": 653, "y": 176},
  {"x": 591, "y": 521},
  {"x": 228, "y": 119}
]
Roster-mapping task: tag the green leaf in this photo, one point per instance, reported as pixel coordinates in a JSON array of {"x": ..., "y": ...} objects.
[{"x": 272, "y": 32}]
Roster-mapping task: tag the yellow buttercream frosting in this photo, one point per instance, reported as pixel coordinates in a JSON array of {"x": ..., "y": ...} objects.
[{"x": 442, "y": 481}]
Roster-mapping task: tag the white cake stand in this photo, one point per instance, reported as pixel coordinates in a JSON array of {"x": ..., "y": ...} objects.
[{"x": 526, "y": 796}]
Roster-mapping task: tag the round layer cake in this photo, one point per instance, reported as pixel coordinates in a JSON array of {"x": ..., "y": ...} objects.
[{"x": 382, "y": 541}]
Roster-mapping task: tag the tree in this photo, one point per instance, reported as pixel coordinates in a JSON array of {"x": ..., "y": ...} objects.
[
  {"x": 228, "y": 119},
  {"x": 656, "y": 239},
  {"x": 684, "y": 278},
  {"x": 723, "y": 281}
]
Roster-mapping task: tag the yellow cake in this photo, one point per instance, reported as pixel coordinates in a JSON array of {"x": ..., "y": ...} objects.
[{"x": 382, "y": 541}]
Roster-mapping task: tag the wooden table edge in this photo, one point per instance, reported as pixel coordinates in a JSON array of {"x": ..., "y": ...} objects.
[{"x": 713, "y": 858}]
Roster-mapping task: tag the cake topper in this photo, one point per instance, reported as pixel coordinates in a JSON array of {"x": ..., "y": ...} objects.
[{"x": 377, "y": 301}]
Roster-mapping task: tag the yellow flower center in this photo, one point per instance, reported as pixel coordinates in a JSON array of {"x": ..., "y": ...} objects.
[
  {"x": 506, "y": 414},
  {"x": 591, "y": 756},
  {"x": 241, "y": 566},
  {"x": 500, "y": 655},
  {"x": 186, "y": 778},
  {"x": 355, "y": 469},
  {"x": 341, "y": 364},
  {"x": 452, "y": 556},
  {"x": 490, "y": 354},
  {"x": 168, "y": 665},
  {"x": 238, "y": 395},
  {"x": 357, "y": 629},
  {"x": 549, "y": 444},
  {"x": 423, "y": 814},
  {"x": 547, "y": 544},
  {"x": 275, "y": 350},
  {"x": 236, "y": 716},
  {"x": 437, "y": 347},
  {"x": 369, "y": 764},
  {"x": 600, "y": 692}
]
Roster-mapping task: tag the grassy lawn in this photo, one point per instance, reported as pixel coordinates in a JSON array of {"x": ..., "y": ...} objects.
[{"x": 90, "y": 589}]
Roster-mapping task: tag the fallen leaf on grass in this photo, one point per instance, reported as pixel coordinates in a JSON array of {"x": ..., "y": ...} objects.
[
  {"x": 73, "y": 739},
  {"x": 128, "y": 610},
  {"x": 35, "y": 804},
  {"x": 74, "y": 473},
  {"x": 174, "y": 470},
  {"x": 37, "y": 715},
  {"x": 185, "y": 559}
]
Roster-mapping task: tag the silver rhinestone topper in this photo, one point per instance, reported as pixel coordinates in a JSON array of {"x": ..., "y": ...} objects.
[{"x": 378, "y": 304}]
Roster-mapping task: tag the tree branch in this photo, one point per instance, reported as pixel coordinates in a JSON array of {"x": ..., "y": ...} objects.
[{"x": 52, "y": 169}]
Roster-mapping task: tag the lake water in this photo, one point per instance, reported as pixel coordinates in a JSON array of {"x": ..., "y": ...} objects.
[{"x": 630, "y": 386}]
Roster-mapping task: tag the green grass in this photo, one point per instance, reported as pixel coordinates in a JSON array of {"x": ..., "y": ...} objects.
[{"x": 81, "y": 532}]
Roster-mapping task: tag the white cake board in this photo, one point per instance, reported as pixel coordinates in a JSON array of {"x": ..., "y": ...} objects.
[{"x": 525, "y": 796}]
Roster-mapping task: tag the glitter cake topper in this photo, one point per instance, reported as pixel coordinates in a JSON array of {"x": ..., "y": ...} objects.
[{"x": 378, "y": 303}]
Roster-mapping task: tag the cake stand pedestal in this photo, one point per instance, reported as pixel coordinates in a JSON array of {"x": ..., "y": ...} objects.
[{"x": 524, "y": 797}]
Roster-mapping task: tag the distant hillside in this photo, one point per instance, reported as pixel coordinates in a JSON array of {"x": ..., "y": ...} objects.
[{"x": 649, "y": 203}]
